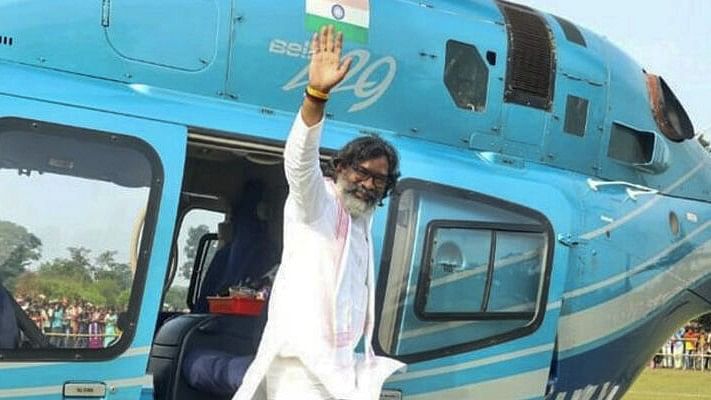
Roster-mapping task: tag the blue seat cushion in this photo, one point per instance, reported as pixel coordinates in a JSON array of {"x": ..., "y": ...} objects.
[{"x": 215, "y": 372}]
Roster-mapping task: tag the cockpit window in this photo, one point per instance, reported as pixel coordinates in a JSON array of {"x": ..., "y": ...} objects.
[
  {"x": 466, "y": 76},
  {"x": 671, "y": 118},
  {"x": 196, "y": 224}
]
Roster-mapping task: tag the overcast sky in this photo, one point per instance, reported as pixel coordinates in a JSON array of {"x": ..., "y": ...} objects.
[{"x": 671, "y": 38}]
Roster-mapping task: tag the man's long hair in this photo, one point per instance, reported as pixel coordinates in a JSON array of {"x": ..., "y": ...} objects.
[{"x": 363, "y": 149}]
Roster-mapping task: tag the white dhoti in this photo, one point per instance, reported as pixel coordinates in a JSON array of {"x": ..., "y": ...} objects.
[{"x": 288, "y": 379}]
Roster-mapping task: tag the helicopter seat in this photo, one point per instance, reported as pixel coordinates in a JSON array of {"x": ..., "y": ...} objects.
[{"x": 191, "y": 354}]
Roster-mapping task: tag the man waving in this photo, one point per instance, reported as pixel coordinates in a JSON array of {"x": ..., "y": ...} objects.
[{"x": 323, "y": 297}]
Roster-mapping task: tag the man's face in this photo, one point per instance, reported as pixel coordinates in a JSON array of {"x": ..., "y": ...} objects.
[{"x": 362, "y": 186}]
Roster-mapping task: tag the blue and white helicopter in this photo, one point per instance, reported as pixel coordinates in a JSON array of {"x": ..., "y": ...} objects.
[{"x": 552, "y": 228}]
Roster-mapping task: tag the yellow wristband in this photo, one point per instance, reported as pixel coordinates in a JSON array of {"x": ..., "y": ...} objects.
[{"x": 316, "y": 93}]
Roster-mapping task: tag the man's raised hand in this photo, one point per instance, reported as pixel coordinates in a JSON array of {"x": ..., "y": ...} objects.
[{"x": 326, "y": 69}]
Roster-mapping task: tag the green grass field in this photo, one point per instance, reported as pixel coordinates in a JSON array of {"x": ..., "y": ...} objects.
[{"x": 657, "y": 384}]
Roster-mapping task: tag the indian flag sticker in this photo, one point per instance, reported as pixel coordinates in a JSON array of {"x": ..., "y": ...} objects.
[{"x": 352, "y": 17}]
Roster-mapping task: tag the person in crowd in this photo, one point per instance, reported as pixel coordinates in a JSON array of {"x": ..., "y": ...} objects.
[
  {"x": 689, "y": 337},
  {"x": 110, "y": 332},
  {"x": 700, "y": 349},
  {"x": 45, "y": 316},
  {"x": 94, "y": 331},
  {"x": 667, "y": 353},
  {"x": 84, "y": 321},
  {"x": 58, "y": 325},
  {"x": 679, "y": 348},
  {"x": 36, "y": 317},
  {"x": 70, "y": 318}
]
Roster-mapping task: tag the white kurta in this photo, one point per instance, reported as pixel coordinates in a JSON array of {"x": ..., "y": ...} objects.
[
  {"x": 303, "y": 310},
  {"x": 352, "y": 298}
]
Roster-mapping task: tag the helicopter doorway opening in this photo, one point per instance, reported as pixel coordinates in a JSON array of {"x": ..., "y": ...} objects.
[{"x": 238, "y": 187}]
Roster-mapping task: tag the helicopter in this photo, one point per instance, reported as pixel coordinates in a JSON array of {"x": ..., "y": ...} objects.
[{"x": 550, "y": 230}]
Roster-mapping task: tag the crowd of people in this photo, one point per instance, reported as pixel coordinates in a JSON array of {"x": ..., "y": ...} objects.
[
  {"x": 689, "y": 348},
  {"x": 73, "y": 324}
]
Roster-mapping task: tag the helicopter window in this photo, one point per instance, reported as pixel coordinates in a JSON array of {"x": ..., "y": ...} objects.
[
  {"x": 466, "y": 76},
  {"x": 576, "y": 115},
  {"x": 472, "y": 271},
  {"x": 196, "y": 224},
  {"x": 78, "y": 201},
  {"x": 460, "y": 271},
  {"x": 572, "y": 33},
  {"x": 671, "y": 118},
  {"x": 630, "y": 146},
  {"x": 458, "y": 257}
]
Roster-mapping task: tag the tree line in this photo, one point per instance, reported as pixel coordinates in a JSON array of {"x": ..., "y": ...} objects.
[{"x": 100, "y": 280}]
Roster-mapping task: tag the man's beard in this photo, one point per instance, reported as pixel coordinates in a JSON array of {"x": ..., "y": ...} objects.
[{"x": 356, "y": 206}]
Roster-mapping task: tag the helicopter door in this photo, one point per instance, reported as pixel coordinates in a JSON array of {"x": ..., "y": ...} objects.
[
  {"x": 88, "y": 203},
  {"x": 468, "y": 294}
]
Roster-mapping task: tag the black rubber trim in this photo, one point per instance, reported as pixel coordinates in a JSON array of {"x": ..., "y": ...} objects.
[
  {"x": 198, "y": 267},
  {"x": 489, "y": 273}
]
